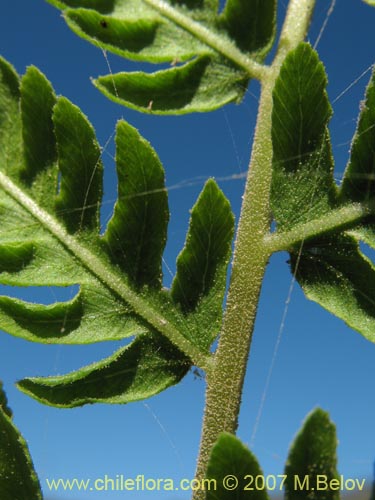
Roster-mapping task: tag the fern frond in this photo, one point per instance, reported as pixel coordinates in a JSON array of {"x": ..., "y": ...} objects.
[
  {"x": 213, "y": 54},
  {"x": 50, "y": 197}
]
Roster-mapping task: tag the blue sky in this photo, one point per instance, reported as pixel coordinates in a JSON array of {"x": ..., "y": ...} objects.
[{"x": 320, "y": 361}]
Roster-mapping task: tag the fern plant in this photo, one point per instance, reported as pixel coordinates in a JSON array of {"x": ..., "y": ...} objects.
[{"x": 51, "y": 193}]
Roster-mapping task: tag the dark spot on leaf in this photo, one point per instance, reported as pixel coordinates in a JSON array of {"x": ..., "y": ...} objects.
[{"x": 103, "y": 23}]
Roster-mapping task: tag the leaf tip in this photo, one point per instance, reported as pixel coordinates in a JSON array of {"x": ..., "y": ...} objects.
[{"x": 10, "y": 77}]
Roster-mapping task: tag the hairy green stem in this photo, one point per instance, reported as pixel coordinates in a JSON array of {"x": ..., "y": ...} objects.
[
  {"x": 225, "y": 381},
  {"x": 342, "y": 217}
]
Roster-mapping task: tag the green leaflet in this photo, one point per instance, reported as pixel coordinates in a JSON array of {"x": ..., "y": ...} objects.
[
  {"x": 302, "y": 182},
  {"x": 370, "y": 2},
  {"x": 229, "y": 457},
  {"x": 250, "y": 24},
  {"x": 207, "y": 248},
  {"x": 80, "y": 195},
  {"x": 137, "y": 232},
  {"x": 49, "y": 235},
  {"x": 195, "y": 86},
  {"x": 37, "y": 102},
  {"x": 40, "y": 171},
  {"x": 330, "y": 267},
  {"x": 313, "y": 453},
  {"x": 18, "y": 480},
  {"x": 221, "y": 50},
  {"x": 202, "y": 264},
  {"x": 145, "y": 367},
  {"x": 338, "y": 276},
  {"x": 135, "y": 31},
  {"x": 92, "y": 316},
  {"x": 233, "y": 471},
  {"x": 358, "y": 183},
  {"x": 10, "y": 120}
]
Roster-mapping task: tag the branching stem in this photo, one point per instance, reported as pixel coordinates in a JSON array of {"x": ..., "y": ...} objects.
[
  {"x": 343, "y": 217},
  {"x": 225, "y": 381}
]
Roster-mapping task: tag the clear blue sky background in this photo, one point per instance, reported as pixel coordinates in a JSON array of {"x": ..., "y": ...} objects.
[{"x": 320, "y": 361}]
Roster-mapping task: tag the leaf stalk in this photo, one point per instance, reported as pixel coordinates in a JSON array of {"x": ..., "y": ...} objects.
[
  {"x": 336, "y": 220},
  {"x": 225, "y": 382}
]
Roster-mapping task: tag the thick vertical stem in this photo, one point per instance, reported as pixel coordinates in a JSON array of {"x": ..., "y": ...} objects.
[{"x": 225, "y": 380}]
